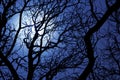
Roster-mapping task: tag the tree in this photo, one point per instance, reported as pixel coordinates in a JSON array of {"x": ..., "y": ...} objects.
[{"x": 59, "y": 39}]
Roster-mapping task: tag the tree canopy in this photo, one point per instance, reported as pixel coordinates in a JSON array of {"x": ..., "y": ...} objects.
[{"x": 59, "y": 39}]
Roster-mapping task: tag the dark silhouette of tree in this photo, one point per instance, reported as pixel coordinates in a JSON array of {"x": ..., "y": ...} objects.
[{"x": 59, "y": 39}]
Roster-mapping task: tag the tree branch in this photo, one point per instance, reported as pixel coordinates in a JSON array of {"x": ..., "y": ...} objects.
[{"x": 87, "y": 39}]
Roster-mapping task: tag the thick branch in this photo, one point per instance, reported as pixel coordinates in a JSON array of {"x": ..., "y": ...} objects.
[
  {"x": 9, "y": 65},
  {"x": 87, "y": 38},
  {"x": 3, "y": 19}
]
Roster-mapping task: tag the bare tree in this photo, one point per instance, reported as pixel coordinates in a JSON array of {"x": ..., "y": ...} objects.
[{"x": 59, "y": 39}]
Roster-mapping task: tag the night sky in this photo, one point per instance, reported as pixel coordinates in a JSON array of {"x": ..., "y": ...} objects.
[{"x": 59, "y": 39}]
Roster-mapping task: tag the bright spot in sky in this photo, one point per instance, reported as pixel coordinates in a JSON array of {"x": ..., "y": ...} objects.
[{"x": 29, "y": 29}]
